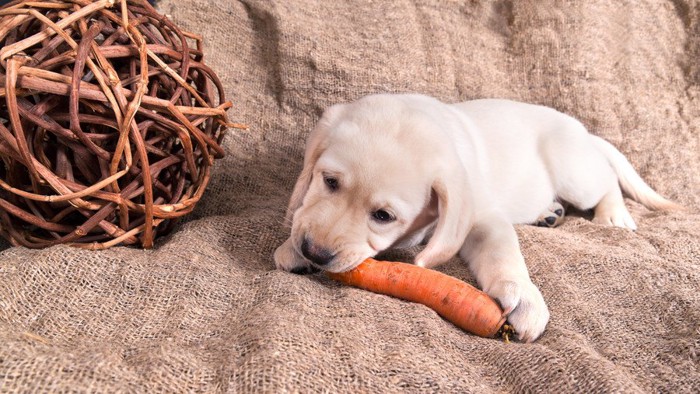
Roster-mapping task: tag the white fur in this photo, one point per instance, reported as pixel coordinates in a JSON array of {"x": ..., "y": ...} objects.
[{"x": 459, "y": 175}]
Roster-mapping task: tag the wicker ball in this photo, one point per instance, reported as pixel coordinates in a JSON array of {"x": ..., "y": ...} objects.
[{"x": 109, "y": 123}]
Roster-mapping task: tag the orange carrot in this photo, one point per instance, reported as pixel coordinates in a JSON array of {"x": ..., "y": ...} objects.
[{"x": 458, "y": 302}]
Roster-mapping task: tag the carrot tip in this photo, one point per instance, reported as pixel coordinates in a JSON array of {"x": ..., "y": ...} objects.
[{"x": 506, "y": 332}]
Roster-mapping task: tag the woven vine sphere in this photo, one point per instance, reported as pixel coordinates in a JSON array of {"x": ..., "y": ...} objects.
[{"x": 109, "y": 123}]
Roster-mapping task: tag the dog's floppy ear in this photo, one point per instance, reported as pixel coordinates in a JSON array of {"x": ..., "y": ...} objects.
[
  {"x": 455, "y": 217},
  {"x": 315, "y": 144}
]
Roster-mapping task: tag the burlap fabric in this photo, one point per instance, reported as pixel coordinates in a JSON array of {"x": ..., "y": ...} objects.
[{"x": 205, "y": 311}]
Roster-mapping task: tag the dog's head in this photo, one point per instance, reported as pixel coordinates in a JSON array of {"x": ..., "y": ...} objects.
[{"x": 375, "y": 172}]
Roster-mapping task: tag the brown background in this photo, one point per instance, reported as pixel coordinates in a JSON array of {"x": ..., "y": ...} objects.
[{"x": 206, "y": 311}]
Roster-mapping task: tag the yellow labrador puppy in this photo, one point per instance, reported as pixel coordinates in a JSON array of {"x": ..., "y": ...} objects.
[{"x": 392, "y": 171}]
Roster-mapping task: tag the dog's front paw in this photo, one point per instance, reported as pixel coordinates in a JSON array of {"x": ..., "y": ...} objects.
[
  {"x": 288, "y": 259},
  {"x": 524, "y": 305}
]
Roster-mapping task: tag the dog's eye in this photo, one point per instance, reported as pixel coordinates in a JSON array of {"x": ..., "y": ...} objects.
[
  {"x": 331, "y": 183},
  {"x": 382, "y": 216}
]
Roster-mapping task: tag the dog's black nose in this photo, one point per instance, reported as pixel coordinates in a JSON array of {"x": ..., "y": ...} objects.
[{"x": 316, "y": 255}]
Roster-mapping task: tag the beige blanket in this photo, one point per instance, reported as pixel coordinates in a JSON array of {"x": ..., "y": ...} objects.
[{"x": 206, "y": 311}]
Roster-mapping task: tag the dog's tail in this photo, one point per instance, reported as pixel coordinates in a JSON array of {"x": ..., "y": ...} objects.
[{"x": 630, "y": 181}]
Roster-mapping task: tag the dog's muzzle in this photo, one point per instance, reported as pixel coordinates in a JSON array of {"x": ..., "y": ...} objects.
[{"x": 315, "y": 254}]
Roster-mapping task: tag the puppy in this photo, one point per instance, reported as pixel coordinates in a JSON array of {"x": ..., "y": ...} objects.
[{"x": 392, "y": 171}]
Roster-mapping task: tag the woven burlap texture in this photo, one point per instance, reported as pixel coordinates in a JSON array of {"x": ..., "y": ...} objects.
[{"x": 205, "y": 311}]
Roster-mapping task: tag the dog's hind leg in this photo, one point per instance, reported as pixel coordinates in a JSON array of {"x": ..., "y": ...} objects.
[
  {"x": 611, "y": 211},
  {"x": 553, "y": 216},
  {"x": 584, "y": 178}
]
